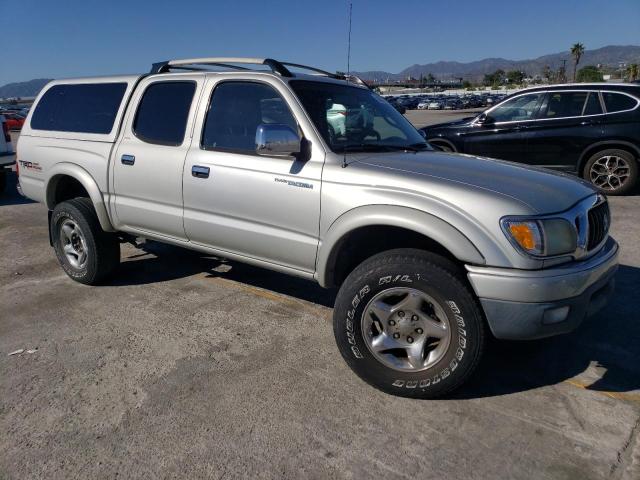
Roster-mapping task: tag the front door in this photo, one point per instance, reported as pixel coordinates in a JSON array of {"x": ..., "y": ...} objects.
[
  {"x": 503, "y": 134},
  {"x": 149, "y": 160},
  {"x": 266, "y": 208}
]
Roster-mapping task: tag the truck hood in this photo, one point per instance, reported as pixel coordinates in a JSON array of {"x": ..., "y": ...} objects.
[
  {"x": 463, "y": 121},
  {"x": 543, "y": 191}
]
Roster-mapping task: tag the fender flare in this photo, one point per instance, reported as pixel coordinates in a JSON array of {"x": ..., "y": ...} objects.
[
  {"x": 393, "y": 216},
  {"x": 89, "y": 184}
]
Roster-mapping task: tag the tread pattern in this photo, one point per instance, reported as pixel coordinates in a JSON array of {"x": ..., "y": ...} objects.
[
  {"x": 420, "y": 258},
  {"x": 105, "y": 245}
]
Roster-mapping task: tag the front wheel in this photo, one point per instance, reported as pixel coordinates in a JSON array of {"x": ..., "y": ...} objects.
[
  {"x": 613, "y": 171},
  {"x": 406, "y": 323},
  {"x": 85, "y": 251}
]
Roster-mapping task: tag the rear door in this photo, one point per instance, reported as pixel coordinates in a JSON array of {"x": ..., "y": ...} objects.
[
  {"x": 149, "y": 160},
  {"x": 621, "y": 119},
  {"x": 503, "y": 136},
  {"x": 568, "y": 122}
]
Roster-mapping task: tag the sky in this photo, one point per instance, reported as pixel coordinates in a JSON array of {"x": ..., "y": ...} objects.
[{"x": 66, "y": 38}]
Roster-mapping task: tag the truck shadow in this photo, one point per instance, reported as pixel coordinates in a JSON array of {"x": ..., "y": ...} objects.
[
  {"x": 10, "y": 196},
  {"x": 604, "y": 353},
  {"x": 158, "y": 262}
]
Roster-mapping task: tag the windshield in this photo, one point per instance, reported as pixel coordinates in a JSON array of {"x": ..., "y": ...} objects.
[{"x": 352, "y": 119}]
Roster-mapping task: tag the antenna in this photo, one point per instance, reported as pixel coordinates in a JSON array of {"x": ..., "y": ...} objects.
[
  {"x": 344, "y": 155},
  {"x": 349, "y": 41}
]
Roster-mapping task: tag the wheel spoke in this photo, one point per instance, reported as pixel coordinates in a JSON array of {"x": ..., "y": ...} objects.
[
  {"x": 67, "y": 231},
  {"x": 69, "y": 250},
  {"x": 381, "y": 310},
  {"x": 434, "y": 328},
  {"x": 384, "y": 342},
  {"x": 415, "y": 354},
  {"x": 412, "y": 301}
]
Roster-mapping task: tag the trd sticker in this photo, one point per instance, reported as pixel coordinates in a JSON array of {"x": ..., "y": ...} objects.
[{"x": 30, "y": 165}]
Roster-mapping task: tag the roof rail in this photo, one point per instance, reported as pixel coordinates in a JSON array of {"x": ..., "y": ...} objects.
[
  {"x": 235, "y": 63},
  {"x": 227, "y": 62}
]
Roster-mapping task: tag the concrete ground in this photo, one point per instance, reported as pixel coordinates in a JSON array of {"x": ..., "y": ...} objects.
[{"x": 187, "y": 366}]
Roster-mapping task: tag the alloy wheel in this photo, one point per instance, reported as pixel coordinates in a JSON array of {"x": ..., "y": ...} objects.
[
  {"x": 609, "y": 172},
  {"x": 406, "y": 329}
]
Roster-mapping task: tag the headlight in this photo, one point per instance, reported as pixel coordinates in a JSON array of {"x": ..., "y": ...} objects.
[{"x": 546, "y": 237}]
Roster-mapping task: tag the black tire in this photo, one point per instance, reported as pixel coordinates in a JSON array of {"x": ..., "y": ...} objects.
[
  {"x": 590, "y": 172},
  {"x": 3, "y": 180},
  {"x": 102, "y": 248},
  {"x": 423, "y": 272}
]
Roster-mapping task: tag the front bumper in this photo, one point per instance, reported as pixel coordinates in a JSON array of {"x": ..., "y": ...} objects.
[{"x": 522, "y": 304}]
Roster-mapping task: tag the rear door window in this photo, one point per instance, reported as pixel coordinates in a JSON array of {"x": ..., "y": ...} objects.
[
  {"x": 618, "y": 102},
  {"x": 163, "y": 112},
  {"x": 565, "y": 104},
  {"x": 82, "y": 107}
]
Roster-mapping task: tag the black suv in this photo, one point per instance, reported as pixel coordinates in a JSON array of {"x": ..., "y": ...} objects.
[{"x": 592, "y": 130}]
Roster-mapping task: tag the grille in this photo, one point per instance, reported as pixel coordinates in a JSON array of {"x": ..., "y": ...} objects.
[{"x": 599, "y": 220}]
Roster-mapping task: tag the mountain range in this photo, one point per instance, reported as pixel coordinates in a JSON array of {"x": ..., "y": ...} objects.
[
  {"x": 23, "y": 89},
  {"x": 610, "y": 56}
]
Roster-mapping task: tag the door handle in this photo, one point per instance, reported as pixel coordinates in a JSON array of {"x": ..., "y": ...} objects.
[
  {"x": 199, "y": 171},
  {"x": 128, "y": 159}
]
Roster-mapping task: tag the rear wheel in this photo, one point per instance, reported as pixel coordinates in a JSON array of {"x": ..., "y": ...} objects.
[
  {"x": 86, "y": 252},
  {"x": 406, "y": 323},
  {"x": 612, "y": 171}
]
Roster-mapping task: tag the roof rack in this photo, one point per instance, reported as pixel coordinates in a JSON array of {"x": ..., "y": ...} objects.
[{"x": 235, "y": 63}]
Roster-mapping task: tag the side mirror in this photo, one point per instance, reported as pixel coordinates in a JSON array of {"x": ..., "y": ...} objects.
[
  {"x": 277, "y": 140},
  {"x": 485, "y": 119}
]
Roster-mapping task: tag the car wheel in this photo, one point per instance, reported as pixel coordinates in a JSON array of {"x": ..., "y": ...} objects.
[
  {"x": 612, "y": 171},
  {"x": 406, "y": 323},
  {"x": 3, "y": 180},
  {"x": 444, "y": 147},
  {"x": 86, "y": 252}
]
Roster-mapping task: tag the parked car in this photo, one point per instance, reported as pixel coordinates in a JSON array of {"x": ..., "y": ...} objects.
[
  {"x": 590, "y": 130},
  {"x": 400, "y": 108},
  {"x": 435, "y": 105},
  {"x": 452, "y": 104},
  {"x": 6, "y": 152},
  {"x": 14, "y": 120},
  {"x": 429, "y": 251}
]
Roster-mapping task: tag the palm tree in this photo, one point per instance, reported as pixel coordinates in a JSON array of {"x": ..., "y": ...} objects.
[
  {"x": 577, "y": 50},
  {"x": 632, "y": 70}
]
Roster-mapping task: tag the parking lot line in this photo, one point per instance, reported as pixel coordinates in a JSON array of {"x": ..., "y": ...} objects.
[{"x": 632, "y": 397}]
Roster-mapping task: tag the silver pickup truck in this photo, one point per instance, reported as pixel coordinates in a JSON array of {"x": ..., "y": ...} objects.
[{"x": 314, "y": 175}]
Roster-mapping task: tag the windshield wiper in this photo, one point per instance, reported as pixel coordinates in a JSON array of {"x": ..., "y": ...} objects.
[{"x": 378, "y": 147}]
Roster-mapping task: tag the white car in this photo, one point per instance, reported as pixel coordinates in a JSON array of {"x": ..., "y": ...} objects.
[
  {"x": 424, "y": 105},
  {"x": 435, "y": 105}
]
